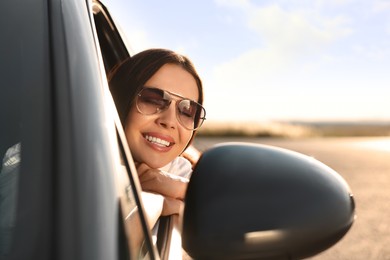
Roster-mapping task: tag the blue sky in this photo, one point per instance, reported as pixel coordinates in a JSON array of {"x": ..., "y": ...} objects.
[{"x": 274, "y": 60}]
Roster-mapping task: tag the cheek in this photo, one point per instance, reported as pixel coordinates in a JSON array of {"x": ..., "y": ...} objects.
[
  {"x": 186, "y": 137},
  {"x": 133, "y": 137},
  {"x": 133, "y": 123},
  {"x": 134, "y": 120}
]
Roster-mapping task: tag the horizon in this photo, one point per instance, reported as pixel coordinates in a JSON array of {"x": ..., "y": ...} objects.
[{"x": 296, "y": 129}]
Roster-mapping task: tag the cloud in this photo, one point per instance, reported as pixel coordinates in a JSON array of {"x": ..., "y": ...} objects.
[
  {"x": 296, "y": 32},
  {"x": 293, "y": 44},
  {"x": 281, "y": 77},
  {"x": 379, "y": 6},
  {"x": 297, "y": 27}
]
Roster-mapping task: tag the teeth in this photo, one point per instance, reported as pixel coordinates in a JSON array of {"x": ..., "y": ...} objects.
[{"x": 157, "y": 140}]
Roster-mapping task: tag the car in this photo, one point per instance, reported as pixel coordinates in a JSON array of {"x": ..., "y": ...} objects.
[{"x": 68, "y": 184}]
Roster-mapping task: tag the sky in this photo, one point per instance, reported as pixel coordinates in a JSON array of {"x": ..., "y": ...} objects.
[{"x": 274, "y": 60}]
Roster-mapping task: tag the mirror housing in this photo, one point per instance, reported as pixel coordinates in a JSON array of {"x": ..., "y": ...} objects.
[{"x": 247, "y": 201}]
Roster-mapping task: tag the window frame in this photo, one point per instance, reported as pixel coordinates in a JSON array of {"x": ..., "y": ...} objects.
[{"x": 114, "y": 50}]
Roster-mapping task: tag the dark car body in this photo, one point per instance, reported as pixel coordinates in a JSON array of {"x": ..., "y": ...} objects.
[
  {"x": 68, "y": 182},
  {"x": 55, "y": 102}
]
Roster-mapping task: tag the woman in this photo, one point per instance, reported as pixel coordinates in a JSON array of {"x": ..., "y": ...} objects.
[{"x": 159, "y": 96}]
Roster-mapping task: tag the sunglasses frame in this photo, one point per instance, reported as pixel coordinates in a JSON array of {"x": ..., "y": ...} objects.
[{"x": 178, "y": 99}]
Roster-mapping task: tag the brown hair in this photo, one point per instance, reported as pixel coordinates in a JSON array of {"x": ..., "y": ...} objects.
[{"x": 128, "y": 78}]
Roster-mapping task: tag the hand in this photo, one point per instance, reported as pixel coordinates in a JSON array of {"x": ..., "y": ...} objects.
[
  {"x": 164, "y": 183},
  {"x": 172, "y": 206}
]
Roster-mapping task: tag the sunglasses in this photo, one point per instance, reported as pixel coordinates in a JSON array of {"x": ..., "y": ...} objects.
[{"x": 189, "y": 113}]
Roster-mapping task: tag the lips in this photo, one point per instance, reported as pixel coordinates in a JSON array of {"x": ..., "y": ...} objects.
[{"x": 158, "y": 141}]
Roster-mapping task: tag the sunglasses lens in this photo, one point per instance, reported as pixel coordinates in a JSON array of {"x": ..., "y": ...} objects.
[
  {"x": 190, "y": 114},
  {"x": 151, "y": 101}
]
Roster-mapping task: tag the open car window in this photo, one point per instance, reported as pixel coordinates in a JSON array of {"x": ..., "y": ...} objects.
[
  {"x": 114, "y": 51},
  {"x": 136, "y": 231}
]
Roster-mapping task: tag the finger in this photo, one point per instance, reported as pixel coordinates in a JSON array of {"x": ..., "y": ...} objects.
[
  {"x": 149, "y": 175},
  {"x": 142, "y": 168}
]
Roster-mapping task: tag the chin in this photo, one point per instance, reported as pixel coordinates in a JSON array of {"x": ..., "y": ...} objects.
[
  {"x": 156, "y": 161},
  {"x": 156, "y": 164}
]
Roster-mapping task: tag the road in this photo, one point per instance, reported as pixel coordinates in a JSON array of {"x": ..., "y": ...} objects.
[{"x": 365, "y": 165}]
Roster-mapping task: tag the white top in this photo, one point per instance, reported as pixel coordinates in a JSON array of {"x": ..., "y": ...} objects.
[{"x": 180, "y": 166}]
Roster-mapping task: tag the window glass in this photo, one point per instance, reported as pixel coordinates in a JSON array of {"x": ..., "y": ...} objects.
[
  {"x": 10, "y": 159},
  {"x": 112, "y": 46}
]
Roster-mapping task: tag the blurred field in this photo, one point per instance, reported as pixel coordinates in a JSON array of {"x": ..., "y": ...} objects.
[
  {"x": 294, "y": 129},
  {"x": 364, "y": 163}
]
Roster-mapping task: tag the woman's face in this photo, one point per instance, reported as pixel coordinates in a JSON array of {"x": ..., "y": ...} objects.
[{"x": 159, "y": 138}]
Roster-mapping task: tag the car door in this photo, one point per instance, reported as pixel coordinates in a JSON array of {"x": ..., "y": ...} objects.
[{"x": 67, "y": 179}]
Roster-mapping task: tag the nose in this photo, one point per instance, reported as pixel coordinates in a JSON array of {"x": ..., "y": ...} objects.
[{"x": 167, "y": 118}]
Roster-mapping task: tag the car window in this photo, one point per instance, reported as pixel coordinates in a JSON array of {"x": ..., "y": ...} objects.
[
  {"x": 113, "y": 49},
  {"x": 136, "y": 230}
]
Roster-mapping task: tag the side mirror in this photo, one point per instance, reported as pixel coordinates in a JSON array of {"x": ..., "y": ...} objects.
[{"x": 259, "y": 202}]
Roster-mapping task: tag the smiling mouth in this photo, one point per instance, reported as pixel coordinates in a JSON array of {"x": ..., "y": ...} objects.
[{"x": 157, "y": 141}]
